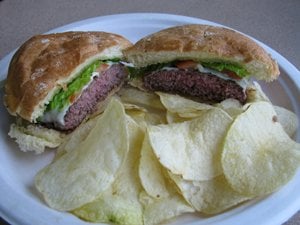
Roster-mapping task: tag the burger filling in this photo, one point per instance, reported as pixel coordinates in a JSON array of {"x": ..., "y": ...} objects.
[
  {"x": 79, "y": 98},
  {"x": 207, "y": 81}
]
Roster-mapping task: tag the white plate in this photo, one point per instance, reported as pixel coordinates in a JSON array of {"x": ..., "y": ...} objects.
[{"x": 20, "y": 203}]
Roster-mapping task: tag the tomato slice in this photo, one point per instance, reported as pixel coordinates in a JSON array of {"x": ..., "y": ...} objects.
[
  {"x": 186, "y": 64},
  {"x": 72, "y": 98},
  {"x": 102, "y": 67},
  {"x": 231, "y": 74}
]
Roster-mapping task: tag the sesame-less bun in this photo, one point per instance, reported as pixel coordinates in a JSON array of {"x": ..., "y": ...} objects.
[
  {"x": 46, "y": 63},
  {"x": 203, "y": 43}
]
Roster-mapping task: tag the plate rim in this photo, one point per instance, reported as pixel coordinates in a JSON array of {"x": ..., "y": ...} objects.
[{"x": 285, "y": 65}]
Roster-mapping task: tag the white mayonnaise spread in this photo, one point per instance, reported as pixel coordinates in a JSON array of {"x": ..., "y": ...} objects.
[
  {"x": 55, "y": 116},
  {"x": 127, "y": 64}
]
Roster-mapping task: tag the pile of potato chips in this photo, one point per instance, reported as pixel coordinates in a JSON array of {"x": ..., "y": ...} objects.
[{"x": 153, "y": 156}]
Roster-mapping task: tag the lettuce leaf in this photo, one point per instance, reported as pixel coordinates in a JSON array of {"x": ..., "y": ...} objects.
[
  {"x": 61, "y": 99},
  {"x": 138, "y": 72},
  {"x": 221, "y": 66}
]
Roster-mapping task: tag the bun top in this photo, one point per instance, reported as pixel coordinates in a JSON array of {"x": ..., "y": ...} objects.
[
  {"x": 203, "y": 43},
  {"x": 46, "y": 63}
]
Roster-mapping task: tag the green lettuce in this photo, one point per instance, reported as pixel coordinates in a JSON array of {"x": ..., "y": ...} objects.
[
  {"x": 138, "y": 72},
  {"x": 221, "y": 66},
  {"x": 61, "y": 99}
]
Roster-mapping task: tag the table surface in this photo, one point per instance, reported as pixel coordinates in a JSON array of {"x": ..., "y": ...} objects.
[{"x": 274, "y": 22}]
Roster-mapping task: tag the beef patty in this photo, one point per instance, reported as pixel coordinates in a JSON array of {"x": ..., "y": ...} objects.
[
  {"x": 96, "y": 92},
  {"x": 206, "y": 87}
]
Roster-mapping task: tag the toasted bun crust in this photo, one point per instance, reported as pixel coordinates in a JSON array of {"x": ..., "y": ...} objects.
[
  {"x": 46, "y": 63},
  {"x": 203, "y": 43}
]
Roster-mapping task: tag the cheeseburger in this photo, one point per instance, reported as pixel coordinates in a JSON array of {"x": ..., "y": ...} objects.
[
  {"x": 56, "y": 81},
  {"x": 204, "y": 62}
]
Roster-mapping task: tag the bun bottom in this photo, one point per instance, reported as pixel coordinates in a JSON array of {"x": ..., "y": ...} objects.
[{"x": 35, "y": 138}]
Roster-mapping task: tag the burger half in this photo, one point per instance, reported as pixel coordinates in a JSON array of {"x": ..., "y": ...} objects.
[
  {"x": 204, "y": 62},
  {"x": 58, "y": 80}
]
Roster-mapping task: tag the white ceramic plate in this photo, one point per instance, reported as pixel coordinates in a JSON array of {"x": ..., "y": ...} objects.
[{"x": 20, "y": 203}]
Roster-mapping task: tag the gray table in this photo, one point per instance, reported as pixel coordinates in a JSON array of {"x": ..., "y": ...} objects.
[{"x": 274, "y": 22}]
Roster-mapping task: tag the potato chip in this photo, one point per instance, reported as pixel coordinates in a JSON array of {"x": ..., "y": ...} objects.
[
  {"x": 232, "y": 106},
  {"x": 151, "y": 172},
  {"x": 157, "y": 211},
  {"x": 129, "y": 107},
  {"x": 229, "y": 103},
  {"x": 287, "y": 119},
  {"x": 160, "y": 198},
  {"x": 255, "y": 93},
  {"x": 211, "y": 196},
  {"x": 111, "y": 209},
  {"x": 181, "y": 109},
  {"x": 143, "y": 117},
  {"x": 178, "y": 104},
  {"x": 76, "y": 137},
  {"x": 148, "y": 100},
  {"x": 175, "y": 118},
  {"x": 80, "y": 175},
  {"x": 182, "y": 117},
  {"x": 258, "y": 156},
  {"x": 191, "y": 115},
  {"x": 154, "y": 118},
  {"x": 193, "y": 148},
  {"x": 138, "y": 117},
  {"x": 120, "y": 202}
]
